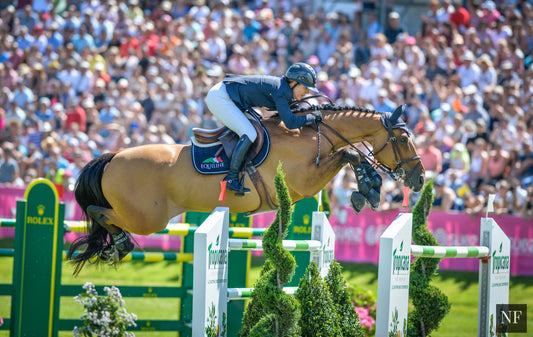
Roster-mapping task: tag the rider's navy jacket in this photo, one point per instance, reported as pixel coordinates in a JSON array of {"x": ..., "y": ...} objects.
[{"x": 269, "y": 92}]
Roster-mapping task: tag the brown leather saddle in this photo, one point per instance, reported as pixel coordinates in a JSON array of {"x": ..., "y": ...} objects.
[{"x": 229, "y": 138}]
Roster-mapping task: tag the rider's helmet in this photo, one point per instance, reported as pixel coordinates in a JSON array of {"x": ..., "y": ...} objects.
[{"x": 304, "y": 74}]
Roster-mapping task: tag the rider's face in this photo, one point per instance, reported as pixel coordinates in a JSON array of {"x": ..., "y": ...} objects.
[{"x": 299, "y": 91}]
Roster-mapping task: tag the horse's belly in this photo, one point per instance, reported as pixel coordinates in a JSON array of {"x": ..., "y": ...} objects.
[
  {"x": 149, "y": 185},
  {"x": 136, "y": 184}
]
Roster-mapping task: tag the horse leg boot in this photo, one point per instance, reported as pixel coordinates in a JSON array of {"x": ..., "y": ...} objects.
[
  {"x": 120, "y": 239},
  {"x": 234, "y": 184}
]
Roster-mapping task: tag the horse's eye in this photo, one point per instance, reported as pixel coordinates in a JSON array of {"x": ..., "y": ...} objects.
[{"x": 403, "y": 140}]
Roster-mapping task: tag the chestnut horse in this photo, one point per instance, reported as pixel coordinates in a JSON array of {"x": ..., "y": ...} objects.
[{"x": 140, "y": 189}]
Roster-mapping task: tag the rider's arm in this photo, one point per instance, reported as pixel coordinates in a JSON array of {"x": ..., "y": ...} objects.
[{"x": 292, "y": 121}]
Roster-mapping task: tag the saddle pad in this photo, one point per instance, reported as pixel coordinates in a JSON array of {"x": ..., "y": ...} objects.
[{"x": 213, "y": 159}]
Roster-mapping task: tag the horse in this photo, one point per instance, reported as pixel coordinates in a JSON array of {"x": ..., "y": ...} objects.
[{"x": 139, "y": 189}]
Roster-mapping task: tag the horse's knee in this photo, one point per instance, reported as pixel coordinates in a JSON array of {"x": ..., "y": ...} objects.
[{"x": 352, "y": 157}]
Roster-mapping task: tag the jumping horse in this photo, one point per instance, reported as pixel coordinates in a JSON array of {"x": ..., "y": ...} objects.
[{"x": 140, "y": 189}]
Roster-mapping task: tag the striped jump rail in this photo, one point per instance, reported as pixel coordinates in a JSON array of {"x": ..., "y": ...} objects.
[
  {"x": 455, "y": 251},
  {"x": 246, "y": 293},
  {"x": 171, "y": 229},
  {"x": 133, "y": 256},
  {"x": 290, "y": 245}
]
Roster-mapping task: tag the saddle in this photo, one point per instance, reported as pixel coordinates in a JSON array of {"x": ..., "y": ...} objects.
[
  {"x": 228, "y": 139},
  {"x": 212, "y": 150}
]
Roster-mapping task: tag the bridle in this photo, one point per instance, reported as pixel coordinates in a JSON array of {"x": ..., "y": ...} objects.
[{"x": 398, "y": 173}]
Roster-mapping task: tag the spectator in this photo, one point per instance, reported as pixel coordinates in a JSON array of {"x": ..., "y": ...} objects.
[
  {"x": 431, "y": 156},
  {"x": 469, "y": 71},
  {"x": 393, "y": 27},
  {"x": 445, "y": 196},
  {"x": 372, "y": 26},
  {"x": 460, "y": 16},
  {"x": 9, "y": 168}
]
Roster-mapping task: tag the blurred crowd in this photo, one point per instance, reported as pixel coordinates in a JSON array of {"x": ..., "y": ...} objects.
[{"x": 79, "y": 78}]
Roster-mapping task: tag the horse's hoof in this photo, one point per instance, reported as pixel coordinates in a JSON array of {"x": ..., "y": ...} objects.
[
  {"x": 358, "y": 201},
  {"x": 373, "y": 198}
]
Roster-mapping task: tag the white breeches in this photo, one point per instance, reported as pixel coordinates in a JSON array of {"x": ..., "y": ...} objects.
[{"x": 223, "y": 108}]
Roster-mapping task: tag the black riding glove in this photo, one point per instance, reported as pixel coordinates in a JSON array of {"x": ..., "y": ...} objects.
[{"x": 314, "y": 117}]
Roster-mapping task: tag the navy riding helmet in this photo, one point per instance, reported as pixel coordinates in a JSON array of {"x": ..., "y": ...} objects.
[{"x": 304, "y": 74}]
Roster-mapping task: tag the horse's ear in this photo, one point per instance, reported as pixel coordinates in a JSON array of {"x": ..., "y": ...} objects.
[{"x": 396, "y": 114}]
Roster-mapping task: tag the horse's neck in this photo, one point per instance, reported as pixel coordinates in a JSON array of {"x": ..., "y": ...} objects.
[{"x": 355, "y": 126}]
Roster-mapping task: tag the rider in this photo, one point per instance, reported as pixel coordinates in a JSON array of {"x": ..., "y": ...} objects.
[{"x": 237, "y": 93}]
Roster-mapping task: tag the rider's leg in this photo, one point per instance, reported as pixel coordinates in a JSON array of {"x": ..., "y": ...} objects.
[{"x": 225, "y": 110}]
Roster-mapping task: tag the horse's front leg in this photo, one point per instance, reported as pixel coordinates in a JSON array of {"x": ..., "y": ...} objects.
[
  {"x": 329, "y": 166},
  {"x": 369, "y": 184}
]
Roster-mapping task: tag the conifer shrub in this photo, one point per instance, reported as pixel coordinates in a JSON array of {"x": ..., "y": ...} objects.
[
  {"x": 271, "y": 312},
  {"x": 319, "y": 315},
  {"x": 430, "y": 304},
  {"x": 346, "y": 313}
]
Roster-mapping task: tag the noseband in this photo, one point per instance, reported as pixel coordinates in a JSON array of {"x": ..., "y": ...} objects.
[{"x": 398, "y": 173}]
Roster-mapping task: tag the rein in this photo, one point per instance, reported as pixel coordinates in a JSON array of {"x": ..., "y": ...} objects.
[{"x": 396, "y": 173}]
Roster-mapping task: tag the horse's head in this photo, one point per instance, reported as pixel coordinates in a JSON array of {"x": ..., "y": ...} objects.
[{"x": 397, "y": 152}]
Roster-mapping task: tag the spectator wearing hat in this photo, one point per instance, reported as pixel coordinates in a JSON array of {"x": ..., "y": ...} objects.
[
  {"x": 355, "y": 84},
  {"x": 40, "y": 39},
  {"x": 326, "y": 86},
  {"x": 84, "y": 80},
  {"x": 369, "y": 93},
  {"x": 431, "y": 16},
  {"x": 12, "y": 131},
  {"x": 507, "y": 74},
  {"x": 383, "y": 103},
  {"x": 109, "y": 113},
  {"x": 100, "y": 73},
  {"x": 238, "y": 63},
  {"x": 487, "y": 75},
  {"x": 381, "y": 63},
  {"x": 468, "y": 71},
  {"x": 44, "y": 112},
  {"x": 70, "y": 74},
  {"x": 413, "y": 54},
  {"x": 55, "y": 38},
  {"x": 393, "y": 27},
  {"x": 24, "y": 38}
]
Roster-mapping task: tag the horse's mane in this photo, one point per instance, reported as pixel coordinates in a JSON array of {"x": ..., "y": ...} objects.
[{"x": 333, "y": 108}]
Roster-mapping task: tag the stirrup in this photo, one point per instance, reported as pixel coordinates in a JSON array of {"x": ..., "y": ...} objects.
[{"x": 237, "y": 187}]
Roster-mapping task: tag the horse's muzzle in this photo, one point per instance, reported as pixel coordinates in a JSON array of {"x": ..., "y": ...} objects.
[{"x": 415, "y": 182}]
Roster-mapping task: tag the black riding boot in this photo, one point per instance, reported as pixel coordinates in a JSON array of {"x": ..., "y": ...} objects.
[{"x": 242, "y": 147}]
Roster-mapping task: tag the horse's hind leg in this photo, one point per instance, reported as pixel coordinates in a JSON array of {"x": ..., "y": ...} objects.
[{"x": 105, "y": 217}]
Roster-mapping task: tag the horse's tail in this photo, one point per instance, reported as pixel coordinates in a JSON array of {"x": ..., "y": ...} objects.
[{"x": 88, "y": 191}]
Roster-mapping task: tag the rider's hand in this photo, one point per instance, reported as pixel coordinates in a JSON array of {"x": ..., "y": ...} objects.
[{"x": 318, "y": 115}]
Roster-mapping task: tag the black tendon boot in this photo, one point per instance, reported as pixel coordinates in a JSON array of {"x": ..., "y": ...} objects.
[
  {"x": 242, "y": 147},
  {"x": 122, "y": 243}
]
